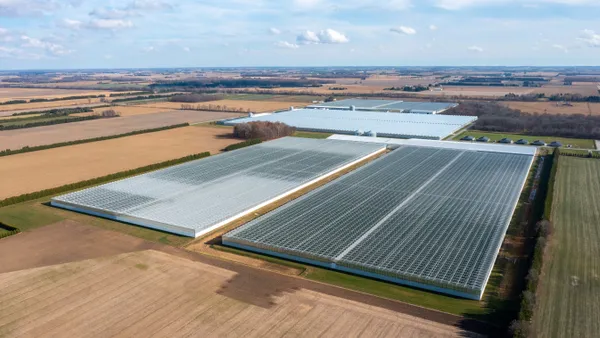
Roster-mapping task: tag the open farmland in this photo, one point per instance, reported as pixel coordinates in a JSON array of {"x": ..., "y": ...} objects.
[
  {"x": 255, "y": 106},
  {"x": 582, "y": 88},
  {"x": 126, "y": 110},
  {"x": 153, "y": 293},
  {"x": 7, "y": 94},
  {"x": 556, "y": 108},
  {"x": 16, "y": 139},
  {"x": 569, "y": 293},
  {"x": 55, "y": 167},
  {"x": 477, "y": 91},
  {"x": 12, "y": 108}
]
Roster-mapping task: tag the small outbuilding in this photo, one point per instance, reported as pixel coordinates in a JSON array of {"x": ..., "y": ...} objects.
[{"x": 483, "y": 139}]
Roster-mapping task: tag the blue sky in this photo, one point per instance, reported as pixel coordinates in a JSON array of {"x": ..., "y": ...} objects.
[{"x": 45, "y": 34}]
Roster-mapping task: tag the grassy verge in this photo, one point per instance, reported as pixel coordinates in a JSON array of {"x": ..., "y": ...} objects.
[
  {"x": 7, "y": 230},
  {"x": 308, "y": 134},
  {"x": 96, "y": 139},
  {"x": 494, "y": 137},
  {"x": 270, "y": 259}
]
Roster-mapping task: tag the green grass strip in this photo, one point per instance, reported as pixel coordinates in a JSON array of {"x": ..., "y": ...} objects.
[
  {"x": 7, "y": 230},
  {"x": 28, "y": 149},
  {"x": 99, "y": 180}
]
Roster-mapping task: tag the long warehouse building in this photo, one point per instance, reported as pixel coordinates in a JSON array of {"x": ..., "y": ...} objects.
[
  {"x": 198, "y": 197},
  {"x": 425, "y": 216},
  {"x": 393, "y": 106},
  {"x": 434, "y": 127}
]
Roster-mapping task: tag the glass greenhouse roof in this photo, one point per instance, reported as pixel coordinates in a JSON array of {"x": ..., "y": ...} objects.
[
  {"x": 194, "y": 198},
  {"x": 433, "y": 218},
  {"x": 384, "y": 124}
]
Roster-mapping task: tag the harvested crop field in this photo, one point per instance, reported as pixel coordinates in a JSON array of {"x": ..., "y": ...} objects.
[
  {"x": 12, "y": 108},
  {"x": 556, "y": 107},
  {"x": 7, "y": 94},
  {"x": 582, "y": 88},
  {"x": 153, "y": 293},
  {"x": 569, "y": 294},
  {"x": 255, "y": 106},
  {"x": 133, "y": 110},
  {"x": 55, "y": 167},
  {"x": 16, "y": 139},
  {"x": 477, "y": 91}
]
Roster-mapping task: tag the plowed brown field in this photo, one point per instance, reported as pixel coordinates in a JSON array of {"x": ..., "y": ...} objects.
[
  {"x": 18, "y": 138},
  {"x": 151, "y": 293},
  {"x": 30, "y": 172}
]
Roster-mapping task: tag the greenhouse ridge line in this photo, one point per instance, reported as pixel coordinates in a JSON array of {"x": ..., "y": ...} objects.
[{"x": 391, "y": 213}]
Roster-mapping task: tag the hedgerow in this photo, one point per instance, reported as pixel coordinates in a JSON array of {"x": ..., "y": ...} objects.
[
  {"x": 242, "y": 144},
  {"x": 28, "y": 149}
]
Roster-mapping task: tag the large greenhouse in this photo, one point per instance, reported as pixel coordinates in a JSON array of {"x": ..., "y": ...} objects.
[
  {"x": 426, "y": 217},
  {"x": 195, "y": 198}
]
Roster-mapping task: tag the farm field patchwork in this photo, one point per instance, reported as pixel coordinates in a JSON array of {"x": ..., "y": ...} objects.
[
  {"x": 569, "y": 290},
  {"x": 9, "y": 109},
  {"x": 55, "y": 167},
  {"x": 575, "y": 142},
  {"x": 255, "y": 106},
  {"x": 132, "y": 110},
  {"x": 7, "y": 94},
  {"x": 17, "y": 139},
  {"x": 584, "y": 108},
  {"x": 151, "y": 292}
]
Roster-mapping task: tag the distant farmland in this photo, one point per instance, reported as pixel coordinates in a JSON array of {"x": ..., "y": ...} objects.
[{"x": 569, "y": 294}]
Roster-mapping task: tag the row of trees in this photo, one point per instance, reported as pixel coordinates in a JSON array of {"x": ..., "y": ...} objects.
[
  {"x": 262, "y": 130},
  {"x": 40, "y": 123},
  {"x": 238, "y": 83},
  {"x": 193, "y": 98},
  {"x": 213, "y": 107},
  {"x": 418, "y": 88},
  {"x": 498, "y": 118}
]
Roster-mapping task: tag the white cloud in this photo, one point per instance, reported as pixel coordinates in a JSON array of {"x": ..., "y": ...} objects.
[
  {"x": 71, "y": 24},
  {"x": 590, "y": 38},
  {"x": 274, "y": 31},
  {"x": 404, "y": 30},
  {"x": 475, "y": 49},
  {"x": 18, "y": 53},
  {"x": 110, "y": 24},
  {"x": 285, "y": 44},
  {"x": 328, "y": 36},
  {"x": 148, "y": 49},
  {"x": 111, "y": 13},
  {"x": 460, "y": 4},
  {"x": 108, "y": 56},
  {"x": 149, "y": 5},
  {"x": 12, "y": 8},
  {"x": 3, "y": 31},
  {"x": 560, "y": 47},
  {"x": 331, "y": 36},
  {"x": 308, "y": 37},
  {"x": 306, "y": 4},
  {"x": 49, "y": 47},
  {"x": 433, "y": 27},
  {"x": 186, "y": 49}
]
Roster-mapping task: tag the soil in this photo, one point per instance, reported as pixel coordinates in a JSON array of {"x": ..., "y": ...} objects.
[
  {"x": 19, "y": 138},
  {"x": 39, "y": 170}
]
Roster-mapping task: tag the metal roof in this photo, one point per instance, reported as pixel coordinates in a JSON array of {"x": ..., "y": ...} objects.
[
  {"x": 195, "y": 197},
  {"x": 385, "y": 105},
  {"x": 427, "y": 217},
  {"x": 488, "y": 147},
  {"x": 384, "y": 124}
]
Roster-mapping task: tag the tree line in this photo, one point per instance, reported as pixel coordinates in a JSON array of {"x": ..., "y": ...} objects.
[
  {"x": 68, "y": 119},
  {"x": 494, "y": 117},
  {"x": 262, "y": 130},
  {"x": 238, "y": 83},
  {"x": 28, "y": 149},
  {"x": 193, "y": 98}
]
